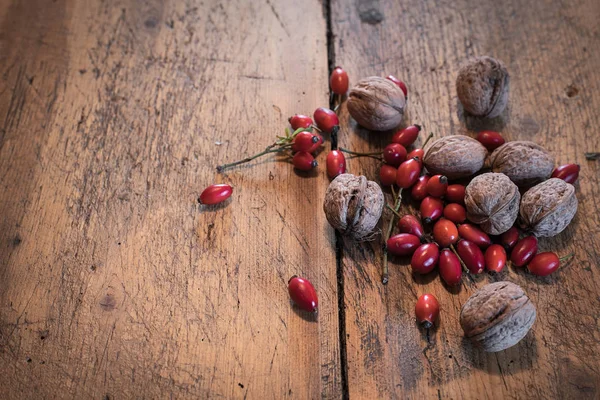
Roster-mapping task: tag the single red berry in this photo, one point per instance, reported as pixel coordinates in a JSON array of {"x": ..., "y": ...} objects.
[
  {"x": 303, "y": 293},
  {"x": 427, "y": 310},
  {"x": 387, "y": 175},
  {"x": 338, "y": 82},
  {"x": 543, "y": 264},
  {"x": 425, "y": 258},
  {"x": 495, "y": 258},
  {"x": 510, "y": 238},
  {"x": 326, "y": 120},
  {"x": 445, "y": 232},
  {"x": 471, "y": 255},
  {"x": 419, "y": 190},
  {"x": 316, "y": 145},
  {"x": 416, "y": 153},
  {"x": 474, "y": 234},
  {"x": 300, "y": 121},
  {"x": 215, "y": 194},
  {"x": 568, "y": 172},
  {"x": 406, "y": 136},
  {"x": 408, "y": 173},
  {"x": 394, "y": 154},
  {"x": 403, "y": 244},
  {"x": 524, "y": 251},
  {"x": 431, "y": 208},
  {"x": 304, "y": 141},
  {"x": 455, "y": 194},
  {"x": 304, "y": 161},
  {"x": 411, "y": 224},
  {"x": 455, "y": 213},
  {"x": 400, "y": 84},
  {"x": 490, "y": 140},
  {"x": 336, "y": 163},
  {"x": 437, "y": 185},
  {"x": 450, "y": 268}
]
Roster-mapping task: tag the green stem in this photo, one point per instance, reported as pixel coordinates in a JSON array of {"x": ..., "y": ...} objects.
[
  {"x": 392, "y": 210},
  {"x": 269, "y": 149},
  {"x": 385, "y": 275},
  {"x": 563, "y": 258},
  {"x": 354, "y": 153},
  {"x": 427, "y": 140}
]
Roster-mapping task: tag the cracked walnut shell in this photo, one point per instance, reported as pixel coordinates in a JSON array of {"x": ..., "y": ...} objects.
[
  {"x": 455, "y": 156},
  {"x": 482, "y": 86},
  {"x": 546, "y": 209},
  {"x": 497, "y": 316},
  {"x": 492, "y": 201},
  {"x": 525, "y": 163},
  {"x": 376, "y": 103},
  {"x": 353, "y": 205}
]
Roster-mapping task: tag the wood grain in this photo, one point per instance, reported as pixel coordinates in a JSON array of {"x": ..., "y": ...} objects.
[
  {"x": 548, "y": 48},
  {"x": 114, "y": 282}
]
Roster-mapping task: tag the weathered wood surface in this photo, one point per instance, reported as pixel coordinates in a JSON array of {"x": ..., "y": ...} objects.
[
  {"x": 114, "y": 282},
  {"x": 549, "y": 50}
]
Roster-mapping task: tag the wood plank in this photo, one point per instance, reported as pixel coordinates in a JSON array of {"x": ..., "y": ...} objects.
[
  {"x": 114, "y": 282},
  {"x": 549, "y": 50}
]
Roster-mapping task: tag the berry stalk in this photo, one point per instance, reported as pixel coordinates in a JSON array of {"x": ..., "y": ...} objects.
[{"x": 397, "y": 199}]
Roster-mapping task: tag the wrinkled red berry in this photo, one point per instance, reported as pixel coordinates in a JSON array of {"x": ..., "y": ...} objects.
[
  {"x": 304, "y": 141},
  {"x": 445, "y": 232},
  {"x": 300, "y": 121},
  {"x": 338, "y": 82},
  {"x": 471, "y": 255},
  {"x": 524, "y": 251},
  {"x": 419, "y": 190},
  {"x": 411, "y": 224},
  {"x": 427, "y": 310},
  {"x": 403, "y": 244},
  {"x": 387, "y": 175},
  {"x": 568, "y": 172},
  {"x": 326, "y": 120},
  {"x": 431, "y": 208},
  {"x": 304, "y": 161},
  {"x": 437, "y": 185},
  {"x": 510, "y": 238},
  {"x": 495, "y": 258},
  {"x": 408, "y": 173},
  {"x": 450, "y": 268},
  {"x": 215, "y": 194},
  {"x": 303, "y": 293},
  {"x": 406, "y": 136},
  {"x": 394, "y": 154},
  {"x": 336, "y": 163},
  {"x": 474, "y": 234},
  {"x": 425, "y": 258},
  {"x": 490, "y": 140},
  {"x": 455, "y": 194},
  {"x": 400, "y": 84},
  {"x": 455, "y": 213},
  {"x": 543, "y": 264}
]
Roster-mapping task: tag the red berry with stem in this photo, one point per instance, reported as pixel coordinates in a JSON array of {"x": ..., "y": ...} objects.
[
  {"x": 543, "y": 264},
  {"x": 300, "y": 121},
  {"x": 524, "y": 251},
  {"x": 568, "y": 172},
  {"x": 416, "y": 153},
  {"x": 474, "y": 234},
  {"x": 437, "y": 185},
  {"x": 510, "y": 238},
  {"x": 490, "y": 140},
  {"x": 445, "y": 232},
  {"x": 495, "y": 258},
  {"x": 411, "y": 224},
  {"x": 316, "y": 145},
  {"x": 427, "y": 310},
  {"x": 215, "y": 194},
  {"x": 455, "y": 213},
  {"x": 403, "y": 244},
  {"x": 394, "y": 154},
  {"x": 304, "y": 161},
  {"x": 304, "y": 141},
  {"x": 419, "y": 190},
  {"x": 450, "y": 268},
  {"x": 326, "y": 120},
  {"x": 406, "y": 136},
  {"x": 431, "y": 209},
  {"x": 399, "y": 83},
  {"x": 408, "y": 173},
  {"x": 338, "y": 81},
  {"x": 425, "y": 258},
  {"x": 303, "y": 293},
  {"x": 336, "y": 163},
  {"x": 387, "y": 175},
  {"x": 455, "y": 194},
  {"x": 471, "y": 255}
]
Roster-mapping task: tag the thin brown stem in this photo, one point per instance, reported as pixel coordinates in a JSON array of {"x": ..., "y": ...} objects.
[
  {"x": 270, "y": 149},
  {"x": 385, "y": 275},
  {"x": 462, "y": 262},
  {"x": 354, "y": 153},
  {"x": 427, "y": 140}
]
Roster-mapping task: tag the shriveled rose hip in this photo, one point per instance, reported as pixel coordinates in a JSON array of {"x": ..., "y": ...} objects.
[
  {"x": 524, "y": 251},
  {"x": 300, "y": 121},
  {"x": 406, "y": 136},
  {"x": 568, "y": 172},
  {"x": 471, "y": 255},
  {"x": 431, "y": 209},
  {"x": 456, "y": 194},
  {"x": 394, "y": 154},
  {"x": 338, "y": 81},
  {"x": 403, "y": 244},
  {"x": 437, "y": 185},
  {"x": 303, "y": 293},
  {"x": 490, "y": 140},
  {"x": 450, "y": 268},
  {"x": 304, "y": 161},
  {"x": 474, "y": 234},
  {"x": 425, "y": 258},
  {"x": 510, "y": 238},
  {"x": 411, "y": 224},
  {"x": 215, "y": 194},
  {"x": 326, "y": 120},
  {"x": 445, "y": 232},
  {"x": 387, "y": 175},
  {"x": 400, "y": 84},
  {"x": 495, "y": 258},
  {"x": 427, "y": 310},
  {"x": 419, "y": 190},
  {"x": 336, "y": 163},
  {"x": 455, "y": 213},
  {"x": 408, "y": 173}
]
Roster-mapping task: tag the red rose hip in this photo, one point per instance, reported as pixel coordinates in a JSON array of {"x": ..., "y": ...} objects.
[
  {"x": 490, "y": 140},
  {"x": 403, "y": 244},
  {"x": 394, "y": 154},
  {"x": 338, "y": 82},
  {"x": 300, "y": 121},
  {"x": 408, "y": 173},
  {"x": 411, "y": 224},
  {"x": 437, "y": 185},
  {"x": 568, "y": 172},
  {"x": 425, "y": 258},
  {"x": 304, "y": 161},
  {"x": 336, "y": 163},
  {"x": 419, "y": 190},
  {"x": 475, "y": 235},
  {"x": 317, "y": 144},
  {"x": 455, "y": 194},
  {"x": 303, "y": 293},
  {"x": 416, "y": 153},
  {"x": 471, "y": 255},
  {"x": 326, "y": 120},
  {"x": 387, "y": 175},
  {"x": 510, "y": 238},
  {"x": 445, "y": 232},
  {"x": 543, "y": 264},
  {"x": 455, "y": 213},
  {"x": 524, "y": 251},
  {"x": 431, "y": 209},
  {"x": 304, "y": 141},
  {"x": 450, "y": 268},
  {"x": 407, "y": 136},
  {"x": 400, "y": 84},
  {"x": 215, "y": 194},
  {"x": 495, "y": 258},
  {"x": 427, "y": 310}
]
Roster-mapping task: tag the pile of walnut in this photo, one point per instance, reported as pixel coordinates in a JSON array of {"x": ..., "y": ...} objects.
[{"x": 513, "y": 196}]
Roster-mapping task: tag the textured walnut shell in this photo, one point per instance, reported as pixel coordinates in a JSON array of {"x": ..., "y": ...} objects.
[
  {"x": 455, "y": 156},
  {"x": 376, "y": 103},
  {"x": 525, "y": 163},
  {"x": 353, "y": 205},
  {"x": 492, "y": 201},
  {"x": 546, "y": 209},
  {"x": 482, "y": 87},
  {"x": 497, "y": 316}
]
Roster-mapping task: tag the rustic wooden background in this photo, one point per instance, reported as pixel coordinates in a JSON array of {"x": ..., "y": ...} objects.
[{"x": 115, "y": 283}]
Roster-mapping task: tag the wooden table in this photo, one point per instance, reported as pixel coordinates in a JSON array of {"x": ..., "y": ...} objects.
[{"x": 115, "y": 283}]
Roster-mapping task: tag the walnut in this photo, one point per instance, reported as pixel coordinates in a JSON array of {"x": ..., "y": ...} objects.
[
  {"x": 492, "y": 201},
  {"x": 547, "y": 209},
  {"x": 497, "y": 316},
  {"x": 455, "y": 156},
  {"x": 482, "y": 87},
  {"x": 353, "y": 205},
  {"x": 376, "y": 103},
  {"x": 525, "y": 163}
]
